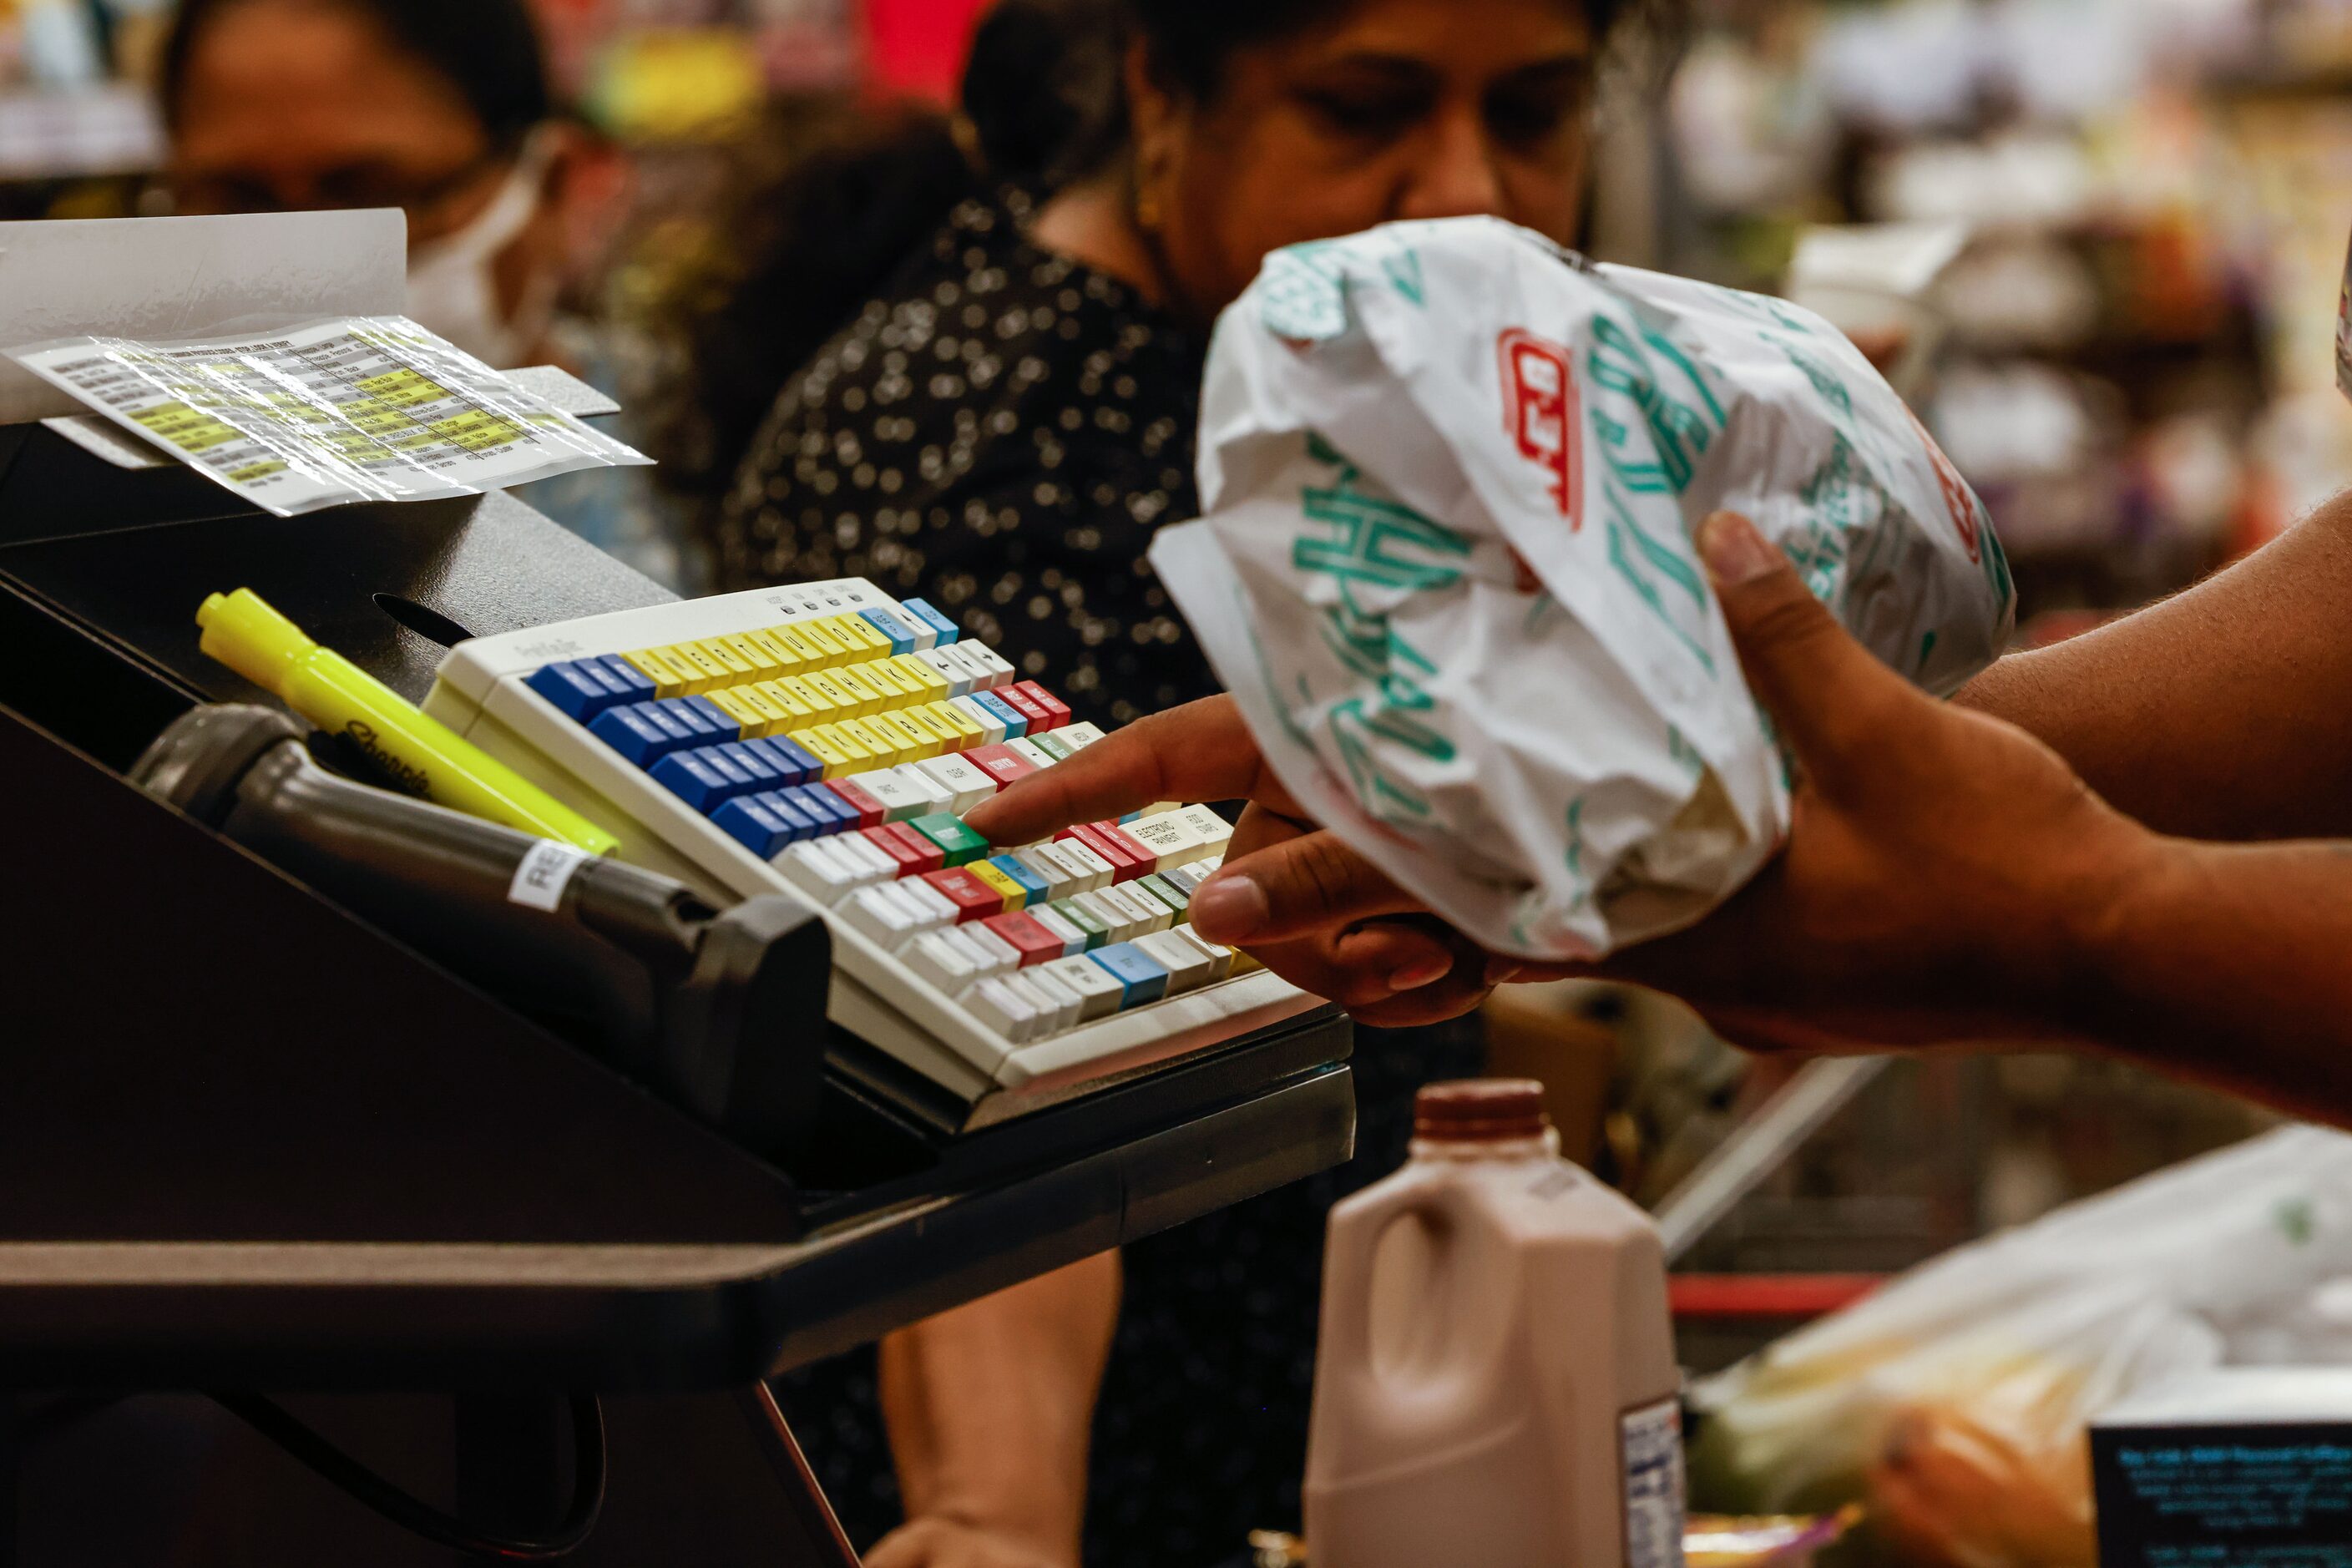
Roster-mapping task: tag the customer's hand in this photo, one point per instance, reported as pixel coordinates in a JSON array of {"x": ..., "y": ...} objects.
[
  {"x": 1292, "y": 896},
  {"x": 950, "y": 1543}
]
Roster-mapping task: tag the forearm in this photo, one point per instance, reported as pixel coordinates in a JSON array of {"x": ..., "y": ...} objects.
[
  {"x": 989, "y": 1406},
  {"x": 2223, "y": 714},
  {"x": 2227, "y": 964}
]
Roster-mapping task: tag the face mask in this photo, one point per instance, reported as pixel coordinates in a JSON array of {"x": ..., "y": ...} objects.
[{"x": 453, "y": 290}]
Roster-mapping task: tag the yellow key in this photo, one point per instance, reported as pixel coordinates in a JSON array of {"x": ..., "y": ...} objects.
[
  {"x": 777, "y": 692},
  {"x": 897, "y": 747},
  {"x": 796, "y": 638},
  {"x": 871, "y": 698},
  {"x": 921, "y": 678},
  {"x": 914, "y": 744},
  {"x": 912, "y": 720},
  {"x": 949, "y": 738},
  {"x": 709, "y": 672},
  {"x": 823, "y": 748},
  {"x": 854, "y": 732},
  {"x": 877, "y": 674},
  {"x": 757, "y": 659},
  {"x": 821, "y": 705},
  {"x": 739, "y": 669},
  {"x": 850, "y": 744},
  {"x": 847, "y": 703},
  {"x": 857, "y": 635},
  {"x": 996, "y": 882},
  {"x": 731, "y": 702},
  {"x": 774, "y": 717},
  {"x": 955, "y": 719},
  {"x": 829, "y": 651},
  {"x": 776, "y": 648},
  {"x": 669, "y": 679}
]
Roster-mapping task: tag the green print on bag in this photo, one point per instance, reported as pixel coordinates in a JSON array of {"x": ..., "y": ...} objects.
[
  {"x": 1679, "y": 433},
  {"x": 1834, "y": 390},
  {"x": 1403, "y": 271},
  {"x": 1627, "y": 540}
]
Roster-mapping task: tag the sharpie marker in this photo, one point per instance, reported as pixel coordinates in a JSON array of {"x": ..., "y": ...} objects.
[{"x": 419, "y": 755}]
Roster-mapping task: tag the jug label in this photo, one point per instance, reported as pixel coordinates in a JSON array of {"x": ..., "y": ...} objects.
[{"x": 1651, "y": 1439}]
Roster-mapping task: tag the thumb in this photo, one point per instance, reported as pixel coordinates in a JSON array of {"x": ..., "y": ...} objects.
[{"x": 1824, "y": 690}]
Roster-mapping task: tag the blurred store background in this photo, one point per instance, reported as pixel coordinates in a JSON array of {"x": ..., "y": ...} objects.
[{"x": 2128, "y": 352}]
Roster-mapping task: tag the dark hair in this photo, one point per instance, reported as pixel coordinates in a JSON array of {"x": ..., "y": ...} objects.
[
  {"x": 487, "y": 50},
  {"x": 1043, "y": 103}
]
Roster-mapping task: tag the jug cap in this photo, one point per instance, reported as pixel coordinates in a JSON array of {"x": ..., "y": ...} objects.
[{"x": 1480, "y": 1111}]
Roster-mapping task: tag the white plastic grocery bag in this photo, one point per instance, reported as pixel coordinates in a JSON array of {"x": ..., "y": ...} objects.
[
  {"x": 1451, "y": 474},
  {"x": 1953, "y": 1402}
]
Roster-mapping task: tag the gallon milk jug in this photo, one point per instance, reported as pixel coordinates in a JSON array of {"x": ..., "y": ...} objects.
[{"x": 1496, "y": 1385}]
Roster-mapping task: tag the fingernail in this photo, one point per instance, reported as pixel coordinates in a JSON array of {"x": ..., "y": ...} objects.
[
  {"x": 1428, "y": 972},
  {"x": 1734, "y": 551},
  {"x": 1229, "y": 909},
  {"x": 1503, "y": 971}
]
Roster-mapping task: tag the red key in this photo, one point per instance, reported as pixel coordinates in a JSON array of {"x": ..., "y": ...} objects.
[
  {"x": 1033, "y": 942},
  {"x": 1056, "y": 711},
  {"x": 1021, "y": 702},
  {"x": 897, "y": 848},
  {"x": 1000, "y": 762},
  {"x": 1129, "y": 859},
  {"x": 927, "y": 856},
  {"x": 973, "y": 899},
  {"x": 871, "y": 812}
]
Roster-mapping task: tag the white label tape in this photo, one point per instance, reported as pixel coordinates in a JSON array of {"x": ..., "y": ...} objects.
[{"x": 539, "y": 882}]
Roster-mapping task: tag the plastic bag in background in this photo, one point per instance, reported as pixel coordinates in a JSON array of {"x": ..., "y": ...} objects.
[
  {"x": 1953, "y": 1404},
  {"x": 1452, "y": 473}
]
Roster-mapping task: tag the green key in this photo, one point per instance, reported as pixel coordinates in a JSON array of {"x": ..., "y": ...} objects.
[
  {"x": 959, "y": 844},
  {"x": 1054, "y": 746},
  {"x": 1079, "y": 915},
  {"x": 1165, "y": 891}
]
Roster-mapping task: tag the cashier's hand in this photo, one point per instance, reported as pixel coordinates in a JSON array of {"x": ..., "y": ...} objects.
[
  {"x": 1294, "y": 897},
  {"x": 950, "y": 1543}
]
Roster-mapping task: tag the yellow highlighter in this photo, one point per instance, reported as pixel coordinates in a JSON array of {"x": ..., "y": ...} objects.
[{"x": 420, "y": 755}]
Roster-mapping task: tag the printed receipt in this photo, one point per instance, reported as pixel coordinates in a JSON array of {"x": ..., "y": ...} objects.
[{"x": 357, "y": 408}]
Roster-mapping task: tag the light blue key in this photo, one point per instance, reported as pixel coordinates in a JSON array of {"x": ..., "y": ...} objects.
[
  {"x": 1141, "y": 978},
  {"x": 901, "y": 635},
  {"x": 942, "y": 630}
]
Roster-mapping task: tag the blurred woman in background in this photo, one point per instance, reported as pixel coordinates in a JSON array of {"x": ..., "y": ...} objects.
[{"x": 988, "y": 334}]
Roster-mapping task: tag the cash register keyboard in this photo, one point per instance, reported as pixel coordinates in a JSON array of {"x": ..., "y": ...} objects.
[{"x": 825, "y": 739}]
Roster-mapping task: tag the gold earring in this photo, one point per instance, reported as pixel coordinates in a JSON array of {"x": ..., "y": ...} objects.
[{"x": 1147, "y": 205}]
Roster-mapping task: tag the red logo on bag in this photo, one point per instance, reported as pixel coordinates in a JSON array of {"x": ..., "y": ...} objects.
[
  {"x": 1956, "y": 498},
  {"x": 1541, "y": 412}
]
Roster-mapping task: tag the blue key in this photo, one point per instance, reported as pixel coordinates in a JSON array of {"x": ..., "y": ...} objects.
[
  {"x": 1140, "y": 978},
  {"x": 792, "y": 761},
  {"x": 799, "y": 822},
  {"x": 704, "y": 779},
  {"x": 746, "y": 756},
  {"x": 821, "y": 805},
  {"x": 754, "y": 827},
  {"x": 578, "y": 686},
  {"x": 1016, "y": 726},
  {"x": 920, "y": 612},
  {"x": 625, "y": 675},
  {"x": 715, "y": 718},
  {"x": 1027, "y": 880},
  {"x": 644, "y": 732},
  {"x": 901, "y": 635}
]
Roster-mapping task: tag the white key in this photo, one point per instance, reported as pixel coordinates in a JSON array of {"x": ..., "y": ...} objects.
[
  {"x": 1062, "y": 878},
  {"x": 1189, "y": 878},
  {"x": 1073, "y": 940},
  {"x": 1145, "y": 912},
  {"x": 875, "y": 864},
  {"x": 1036, "y": 757},
  {"x": 991, "y": 727},
  {"x": 945, "y": 964},
  {"x": 966, "y": 785},
  {"x": 1012, "y": 1013},
  {"x": 1126, "y": 922},
  {"x": 975, "y": 669},
  {"x": 899, "y": 801},
  {"x": 1080, "y": 735},
  {"x": 1171, "y": 838},
  {"x": 1221, "y": 958},
  {"x": 999, "y": 672},
  {"x": 1215, "y": 831},
  {"x": 938, "y": 910},
  {"x": 1096, "y": 873},
  {"x": 1098, "y": 993},
  {"x": 1188, "y": 968},
  {"x": 1066, "y": 1002},
  {"x": 817, "y": 870},
  {"x": 882, "y": 915},
  {"x": 960, "y": 676},
  {"x": 936, "y": 796},
  {"x": 1001, "y": 955}
]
